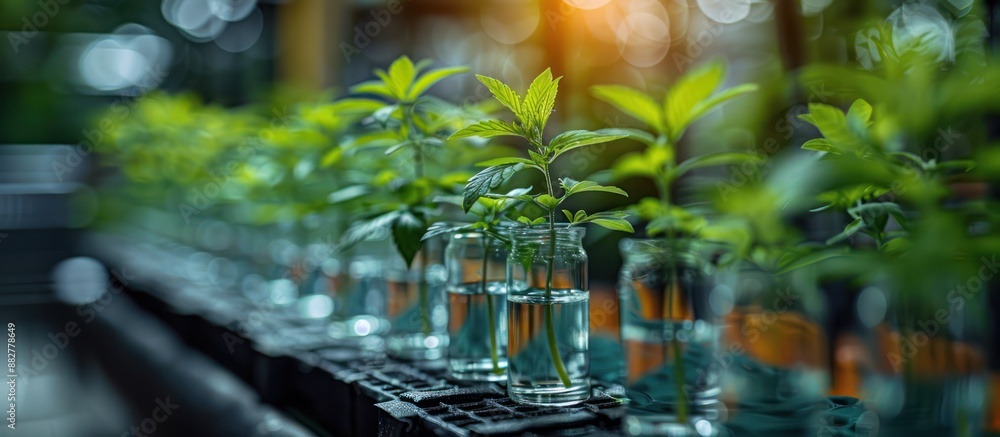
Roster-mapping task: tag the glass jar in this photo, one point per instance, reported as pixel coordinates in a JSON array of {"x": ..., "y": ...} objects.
[
  {"x": 924, "y": 361},
  {"x": 774, "y": 349},
  {"x": 477, "y": 308},
  {"x": 548, "y": 300},
  {"x": 360, "y": 297},
  {"x": 670, "y": 337},
  {"x": 416, "y": 305}
]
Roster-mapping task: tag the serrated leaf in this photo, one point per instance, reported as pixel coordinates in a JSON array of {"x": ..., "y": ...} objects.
[
  {"x": 633, "y": 103},
  {"x": 502, "y": 93},
  {"x": 713, "y": 159},
  {"x": 430, "y": 78},
  {"x": 407, "y": 231},
  {"x": 536, "y": 157},
  {"x": 486, "y": 180},
  {"x": 820, "y": 145},
  {"x": 614, "y": 224},
  {"x": 540, "y": 100},
  {"x": 487, "y": 129},
  {"x": 573, "y": 139}
]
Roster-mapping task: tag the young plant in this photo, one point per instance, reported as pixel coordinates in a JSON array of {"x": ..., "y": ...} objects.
[
  {"x": 406, "y": 121},
  {"x": 692, "y": 97},
  {"x": 877, "y": 177},
  {"x": 489, "y": 213},
  {"x": 532, "y": 113}
]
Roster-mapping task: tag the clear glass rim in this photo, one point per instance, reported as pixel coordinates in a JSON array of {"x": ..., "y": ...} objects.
[{"x": 563, "y": 232}]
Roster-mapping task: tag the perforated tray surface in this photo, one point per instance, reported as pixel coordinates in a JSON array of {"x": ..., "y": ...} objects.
[
  {"x": 343, "y": 388},
  {"x": 487, "y": 411}
]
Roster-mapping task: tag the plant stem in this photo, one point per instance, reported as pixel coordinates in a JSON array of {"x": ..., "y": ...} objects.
[
  {"x": 549, "y": 272},
  {"x": 425, "y": 319},
  {"x": 663, "y": 186},
  {"x": 489, "y": 306},
  {"x": 418, "y": 164},
  {"x": 674, "y": 287}
]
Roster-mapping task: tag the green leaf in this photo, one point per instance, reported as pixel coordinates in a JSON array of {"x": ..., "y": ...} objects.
[
  {"x": 795, "y": 263},
  {"x": 502, "y": 161},
  {"x": 851, "y": 229},
  {"x": 537, "y": 158},
  {"x": 832, "y": 123},
  {"x": 693, "y": 87},
  {"x": 442, "y": 228},
  {"x": 430, "y": 78},
  {"x": 407, "y": 231},
  {"x": 914, "y": 159},
  {"x": 331, "y": 157},
  {"x": 502, "y": 93},
  {"x": 648, "y": 164},
  {"x": 524, "y": 220},
  {"x": 395, "y": 148},
  {"x": 858, "y": 117},
  {"x": 820, "y": 145},
  {"x": 546, "y": 201},
  {"x": 569, "y": 215},
  {"x": 401, "y": 75},
  {"x": 861, "y": 111},
  {"x": 633, "y": 103},
  {"x": 575, "y": 187},
  {"x": 614, "y": 224},
  {"x": 486, "y": 180},
  {"x": 375, "y": 87},
  {"x": 363, "y": 229},
  {"x": 632, "y": 134},
  {"x": 347, "y": 193},
  {"x": 713, "y": 159},
  {"x": 964, "y": 165},
  {"x": 487, "y": 129},
  {"x": 356, "y": 106},
  {"x": 386, "y": 112},
  {"x": 716, "y": 100},
  {"x": 573, "y": 139},
  {"x": 540, "y": 100}
]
